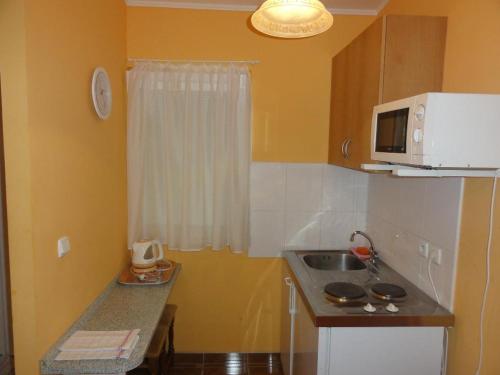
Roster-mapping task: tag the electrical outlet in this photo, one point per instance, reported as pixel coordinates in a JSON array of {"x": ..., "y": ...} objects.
[
  {"x": 423, "y": 249},
  {"x": 63, "y": 246},
  {"x": 437, "y": 256}
]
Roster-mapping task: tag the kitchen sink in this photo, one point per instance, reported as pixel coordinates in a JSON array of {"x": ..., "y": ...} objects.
[{"x": 334, "y": 261}]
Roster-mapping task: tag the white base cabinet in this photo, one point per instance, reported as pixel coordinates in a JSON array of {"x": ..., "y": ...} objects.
[
  {"x": 382, "y": 351},
  {"x": 309, "y": 350}
]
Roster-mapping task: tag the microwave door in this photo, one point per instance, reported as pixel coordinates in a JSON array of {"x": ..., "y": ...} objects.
[{"x": 392, "y": 129}]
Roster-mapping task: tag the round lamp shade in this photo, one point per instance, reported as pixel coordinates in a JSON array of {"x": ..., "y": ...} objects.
[{"x": 292, "y": 18}]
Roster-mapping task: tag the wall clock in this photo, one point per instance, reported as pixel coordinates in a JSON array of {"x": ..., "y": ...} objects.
[{"x": 101, "y": 93}]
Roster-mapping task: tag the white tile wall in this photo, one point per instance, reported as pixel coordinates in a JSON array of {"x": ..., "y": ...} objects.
[
  {"x": 267, "y": 186},
  {"x": 302, "y": 229},
  {"x": 404, "y": 212},
  {"x": 304, "y": 184},
  {"x": 304, "y": 206},
  {"x": 317, "y": 206}
]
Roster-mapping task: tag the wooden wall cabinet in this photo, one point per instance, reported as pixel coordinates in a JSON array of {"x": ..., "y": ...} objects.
[{"x": 396, "y": 57}]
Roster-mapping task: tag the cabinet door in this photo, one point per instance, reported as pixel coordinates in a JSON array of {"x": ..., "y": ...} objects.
[
  {"x": 339, "y": 127},
  {"x": 413, "y": 57},
  {"x": 306, "y": 341},
  {"x": 287, "y": 322},
  {"x": 386, "y": 350},
  {"x": 355, "y": 90},
  {"x": 365, "y": 62}
]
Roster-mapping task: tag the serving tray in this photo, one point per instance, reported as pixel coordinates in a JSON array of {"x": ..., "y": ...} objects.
[{"x": 127, "y": 277}]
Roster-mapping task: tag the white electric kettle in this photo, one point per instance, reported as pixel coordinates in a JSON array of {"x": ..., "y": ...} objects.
[{"x": 145, "y": 253}]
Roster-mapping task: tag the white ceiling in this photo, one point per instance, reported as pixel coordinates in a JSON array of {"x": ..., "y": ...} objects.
[{"x": 358, "y": 7}]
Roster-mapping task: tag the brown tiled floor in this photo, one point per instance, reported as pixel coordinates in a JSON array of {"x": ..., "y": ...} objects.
[{"x": 226, "y": 364}]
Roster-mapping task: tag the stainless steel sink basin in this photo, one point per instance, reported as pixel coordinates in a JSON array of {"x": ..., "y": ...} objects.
[{"x": 334, "y": 261}]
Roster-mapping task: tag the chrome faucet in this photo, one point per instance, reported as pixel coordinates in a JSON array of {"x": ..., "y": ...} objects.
[{"x": 373, "y": 252}]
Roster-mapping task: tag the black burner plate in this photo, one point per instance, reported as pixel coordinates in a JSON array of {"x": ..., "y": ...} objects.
[
  {"x": 347, "y": 291},
  {"x": 388, "y": 291}
]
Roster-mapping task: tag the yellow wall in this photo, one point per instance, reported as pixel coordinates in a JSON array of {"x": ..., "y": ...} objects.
[
  {"x": 231, "y": 302},
  {"x": 291, "y": 85},
  {"x": 18, "y": 177},
  {"x": 66, "y": 170},
  {"x": 472, "y": 64},
  {"x": 227, "y": 302}
]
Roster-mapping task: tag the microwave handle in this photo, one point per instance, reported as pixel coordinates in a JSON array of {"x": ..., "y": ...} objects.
[{"x": 346, "y": 147}]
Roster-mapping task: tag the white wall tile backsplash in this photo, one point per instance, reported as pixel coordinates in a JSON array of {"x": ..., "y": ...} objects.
[
  {"x": 318, "y": 206},
  {"x": 304, "y": 206},
  {"x": 339, "y": 193},
  {"x": 267, "y": 186},
  {"x": 304, "y": 186},
  {"x": 405, "y": 212},
  {"x": 302, "y": 229},
  {"x": 267, "y": 232}
]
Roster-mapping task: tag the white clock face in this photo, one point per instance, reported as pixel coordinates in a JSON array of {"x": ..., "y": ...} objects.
[{"x": 101, "y": 93}]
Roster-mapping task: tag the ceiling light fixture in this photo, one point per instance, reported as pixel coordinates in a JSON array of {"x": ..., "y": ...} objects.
[{"x": 292, "y": 18}]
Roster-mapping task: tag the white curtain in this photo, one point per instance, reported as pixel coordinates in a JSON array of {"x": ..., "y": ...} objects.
[{"x": 189, "y": 129}]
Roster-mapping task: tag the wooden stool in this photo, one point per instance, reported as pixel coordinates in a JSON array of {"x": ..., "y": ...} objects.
[{"x": 160, "y": 354}]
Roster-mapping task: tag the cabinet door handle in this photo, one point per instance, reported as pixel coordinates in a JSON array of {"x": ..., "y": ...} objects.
[
  {"x": 343, "y": 148},
  {"x": 291, "y": 295},
  {"x": 347, "y": 145}
]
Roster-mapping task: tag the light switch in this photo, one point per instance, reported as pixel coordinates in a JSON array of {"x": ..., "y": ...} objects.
[
  {"x": 437, "y": 256},
  {"x": 63, "y": 246}
]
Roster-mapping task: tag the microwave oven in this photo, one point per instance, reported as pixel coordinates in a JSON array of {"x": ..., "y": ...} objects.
[{"x": 438, "y": 130}]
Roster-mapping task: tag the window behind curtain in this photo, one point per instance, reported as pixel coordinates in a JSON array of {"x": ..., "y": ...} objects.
[{"x": 189, "y": 154}]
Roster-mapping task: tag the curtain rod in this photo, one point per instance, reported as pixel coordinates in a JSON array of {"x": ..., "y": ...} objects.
[{"x": 251, "y": 62}]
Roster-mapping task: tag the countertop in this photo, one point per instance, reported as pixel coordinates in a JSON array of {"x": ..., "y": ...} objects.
[
  {"x": 420, "y": 309},
  {"x": 119, "y": 307}
]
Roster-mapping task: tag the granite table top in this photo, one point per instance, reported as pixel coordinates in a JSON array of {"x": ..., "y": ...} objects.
[{"x": 118, "y": 307}]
